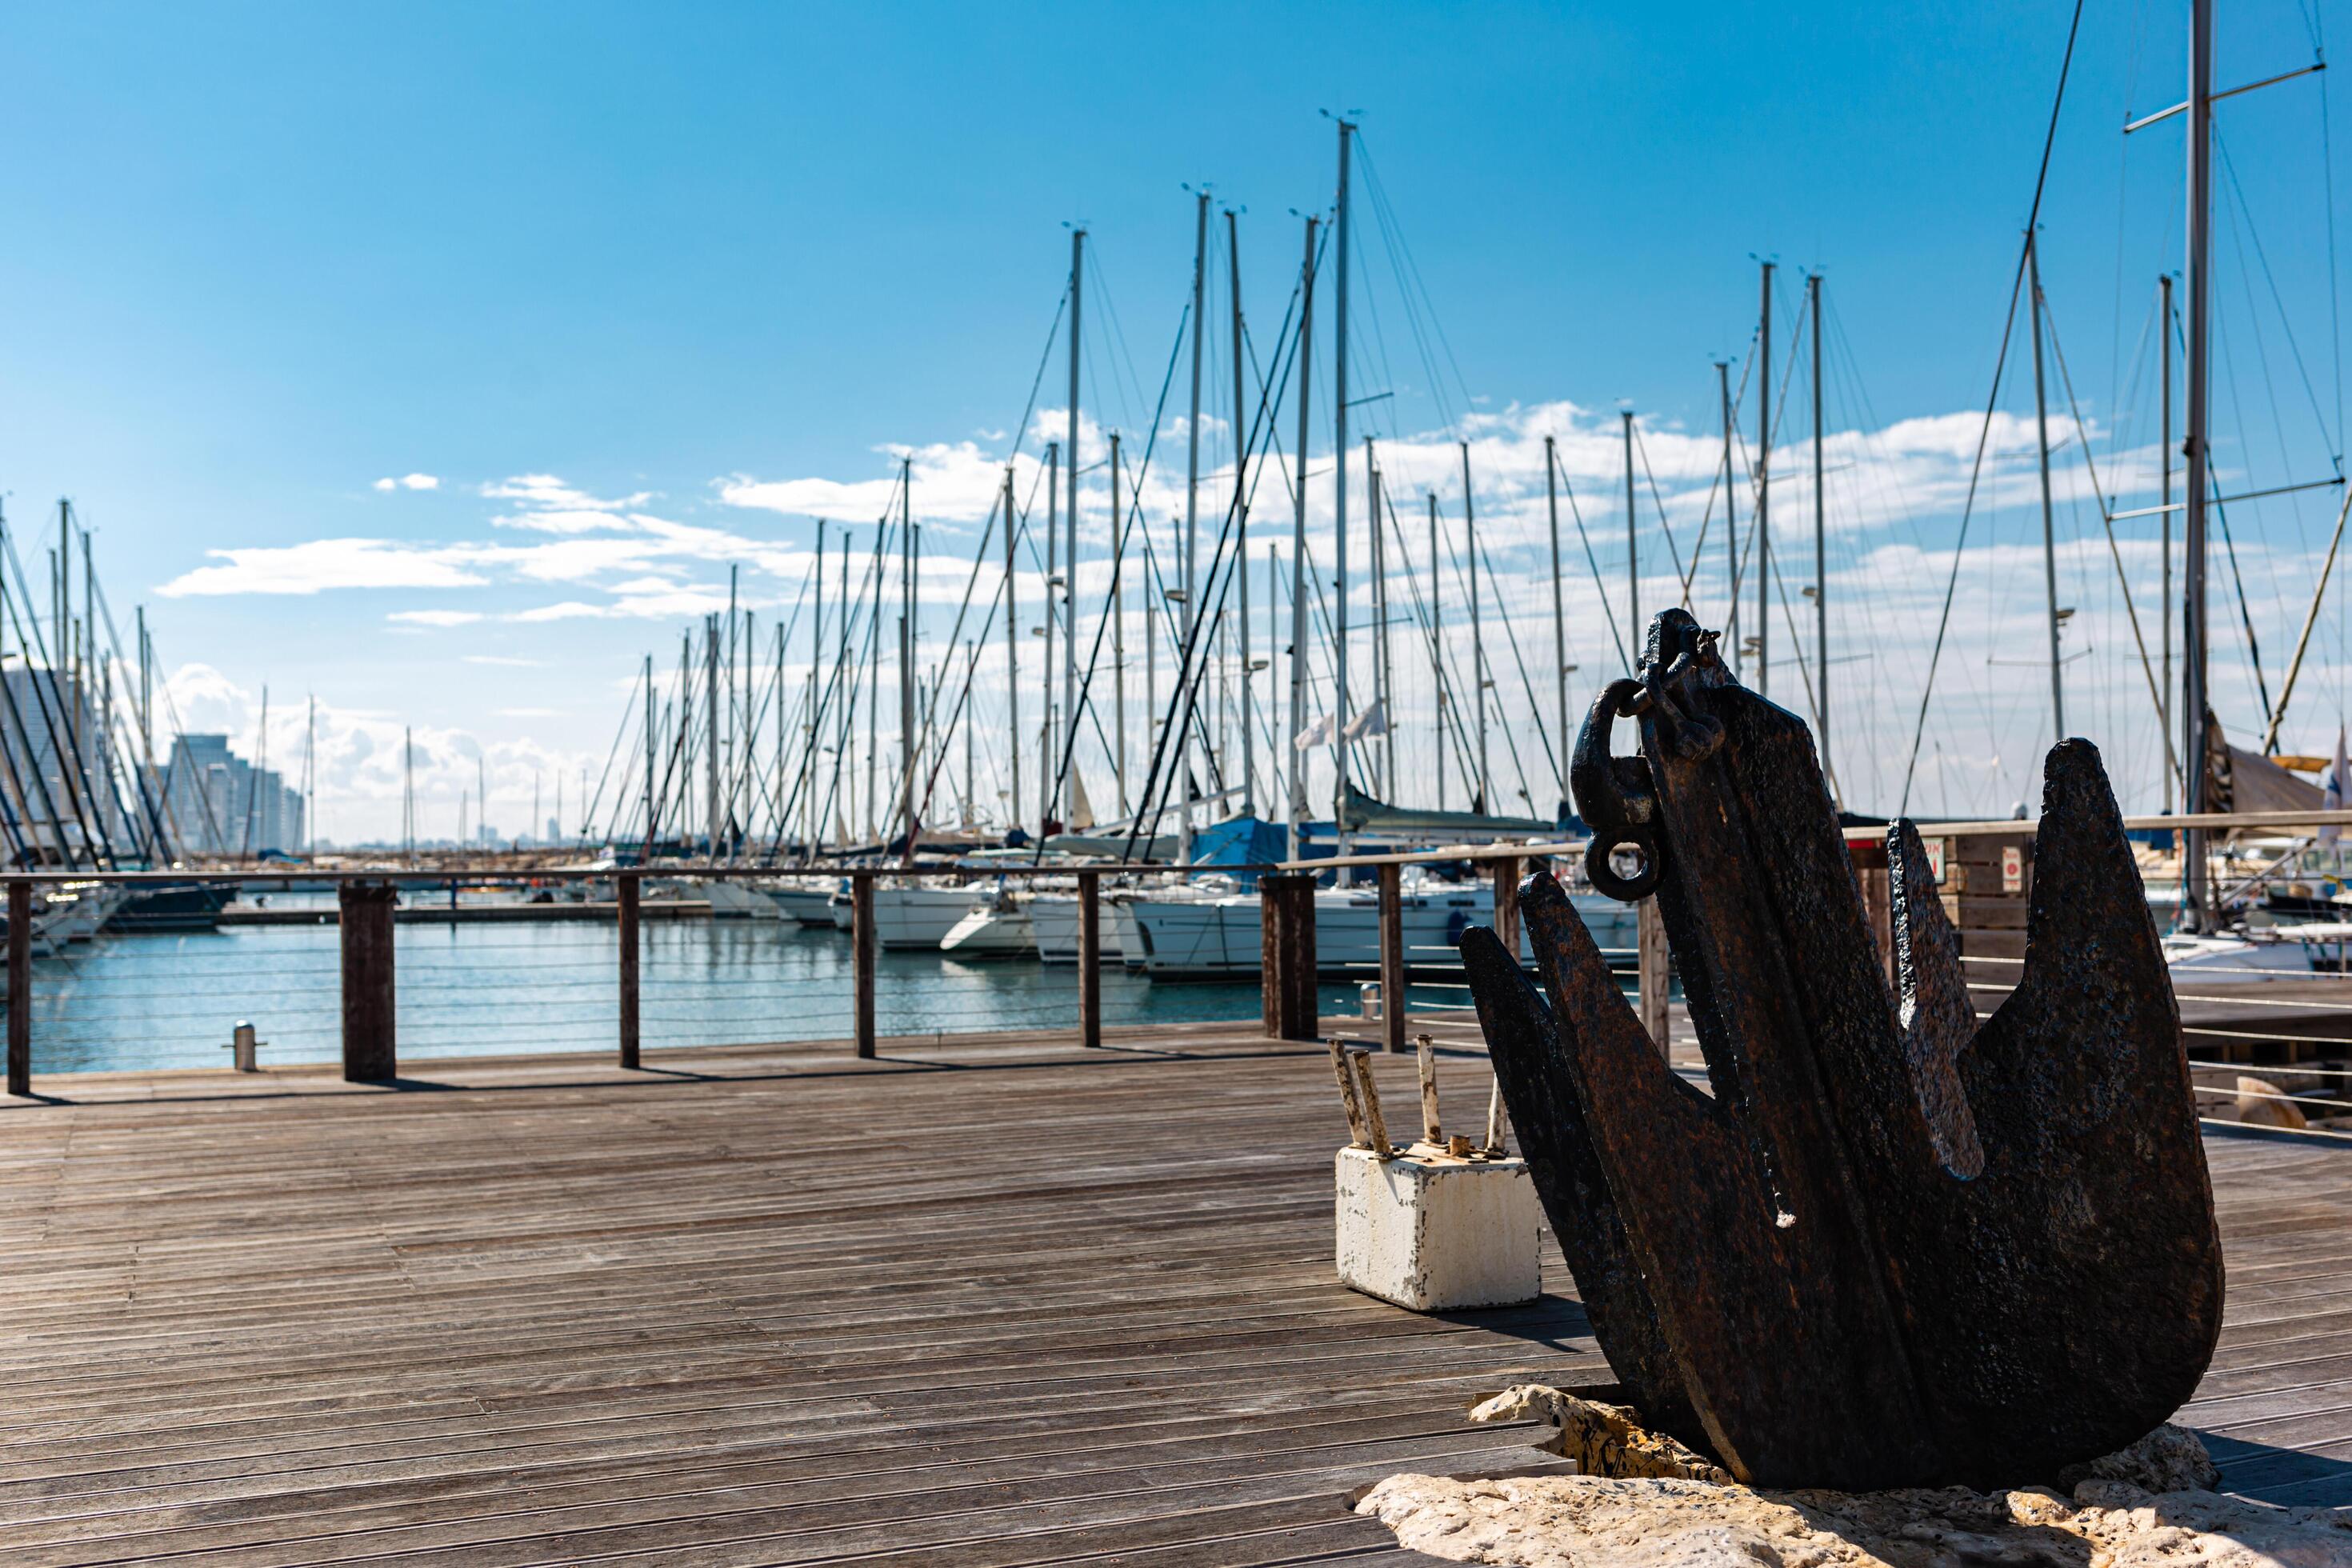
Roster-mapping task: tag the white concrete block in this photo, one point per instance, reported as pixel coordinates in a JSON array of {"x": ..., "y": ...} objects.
[{"x": 1434, "y": 1233}]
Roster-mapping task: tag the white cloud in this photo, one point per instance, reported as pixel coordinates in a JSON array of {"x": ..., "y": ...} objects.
[
  {"x": 410, "y": 482},
  {"x": 528, "y": 713},
  {"x": 505, "y": 660},
  {"x": 435, "y": 617},
  {"x": 322, "y": 564},
  {"x": 547, "y": 493}
]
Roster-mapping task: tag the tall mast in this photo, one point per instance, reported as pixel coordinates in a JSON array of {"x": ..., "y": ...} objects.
[
  {"x": 1730, "y": 533},
  {"x": 710, "y": 736},
  {"x": 2049, "y": 544},
  {"x": 1340, "y": 504},
  {"x": 649, "y": 755},
  {"x": 1632, "y": 552},
  {"x": 1380, "y": 626},
  {"x": 1477, "y": 634},
  {"x": 1297, "y": 725},
  {"x": 1763, "y": 495},
  {"x": 1011, "y": 653},
  {"x": 2194, "y": 642},
  {"x": 2164, "y": 597},
  {"x": 1045, "y": 668},
  {"x": 970, "y": 799},
  {"x": 1820, "y": 549},
  {"x": 146, "y": 696},
  {"x": 1241, "y": 512},
  {"x": 909, "y": 748},
  {"x": 1070, "y": 519},
  {"x": 1558, "y": 615},
  {"x": 1192, "y": 523},
  {"x": 1437, "y": 645},
  {"x": 1117, "y": 636},
  {"x": 816, "y": 688},
  {"x": 874, "y": 682}
]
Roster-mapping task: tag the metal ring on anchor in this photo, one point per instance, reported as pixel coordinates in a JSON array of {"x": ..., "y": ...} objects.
[{"x": 1616, "y": 821}]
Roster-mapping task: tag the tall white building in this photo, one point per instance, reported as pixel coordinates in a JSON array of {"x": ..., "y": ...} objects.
[{"x": 222, "y": 804}]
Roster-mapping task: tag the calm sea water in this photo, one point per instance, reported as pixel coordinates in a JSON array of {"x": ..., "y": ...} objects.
[{"x": 171, "y": 1001}]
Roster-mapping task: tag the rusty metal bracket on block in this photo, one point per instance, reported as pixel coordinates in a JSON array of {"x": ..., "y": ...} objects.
[{"x": 1892, "y": 1245}]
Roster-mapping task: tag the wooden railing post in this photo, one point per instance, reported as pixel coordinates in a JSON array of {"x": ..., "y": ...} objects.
[
  {"x": 1392, "y": 956},
  {"x": 369, "y": 1053},
  {"x": 1506, "y": 902},
  {"x": 1650, "y": 971},
  {"x": 20, "y": 987},
  {"x": 626, "y": 891},
  {"x": 1286, "y": 955},
  {"x": 1090, "y": 959},
  {"x": 861, "y": 942}
]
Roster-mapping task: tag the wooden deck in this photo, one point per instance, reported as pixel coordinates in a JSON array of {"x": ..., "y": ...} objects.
[{"x": 994, "y": 1301}]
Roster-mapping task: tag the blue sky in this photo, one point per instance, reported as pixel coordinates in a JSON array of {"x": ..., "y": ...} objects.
[{"x": 261, "y": 257}]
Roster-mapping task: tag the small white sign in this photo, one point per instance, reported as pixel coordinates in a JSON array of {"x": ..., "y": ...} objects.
[{"x": 2012, "y": 868}]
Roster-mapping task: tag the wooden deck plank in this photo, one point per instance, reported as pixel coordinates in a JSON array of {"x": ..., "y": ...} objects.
[{"x": 998, "y": 1299}]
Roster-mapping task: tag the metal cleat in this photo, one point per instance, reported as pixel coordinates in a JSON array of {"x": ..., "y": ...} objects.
[{"x": 1895, "y": 1246}]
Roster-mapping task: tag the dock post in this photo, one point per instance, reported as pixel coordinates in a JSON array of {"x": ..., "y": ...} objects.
[
  {"x": 1650, "y": 971},
  {"x": 861, "y": 941},
  {"x": 1507, "y": 903},
  {"x": 1286, "y": 954},
  {"x": 369, "y": 1053},
  {"x": 20, "y": 987},
  {"x": 626, "y": 891},
  {"x": 1392, "y": 956},
  {"x": 1090, "y": 959}
]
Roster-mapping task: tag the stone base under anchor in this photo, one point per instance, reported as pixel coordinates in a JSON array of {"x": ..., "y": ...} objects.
[{"x": 2147, "y": 1507}]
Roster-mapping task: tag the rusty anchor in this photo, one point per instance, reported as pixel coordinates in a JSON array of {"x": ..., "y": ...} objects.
[{"x": 1895, "y": 1246}]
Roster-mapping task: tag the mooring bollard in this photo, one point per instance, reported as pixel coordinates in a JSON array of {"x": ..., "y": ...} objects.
[
  {"x": 1286, "y": 955},
  {"x": 242, "y": 1047},
  {"x": 861, "y": 941},
  {"x": 625, "y": 895},
  {"x": 370, "y": 1052},
  {"x": 1090, "y": 959},
  {"x": 1650, "y": 972},
  {"x": 1506, "y": 902},
  {"x": 20, "y": 988},
  {"x": 1392, "y": 956}
]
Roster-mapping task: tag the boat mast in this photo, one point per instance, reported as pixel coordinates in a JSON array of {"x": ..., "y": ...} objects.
[
  {"x": 649, "y": 753},
  {"x": 1045, "y": 668},
  {"x": 1011, "y": 653},
  {"x": 1821, "y": 548},
  {"x": 710, "y": 736},
  {"x": 1477, "y": 633},
  {"x": 1437, "y": 646},
  {"x": 1192, "y": 525},
  {"x": 909, "y": 748},
  {"x": 1558, "y": 615},
  {"x": 1339, "y": 507},
  {"x": 816, "y": 686},
  {"x": 1117, "y": 636},
  {"x": 1632, "y": 552},
  {"x": 2041, "y": 444},
  {"x": 1730, "y": 539},
  {"x": 2194, "y": 645},
  {"x": 1241, "y": 512},
  {"x": 2164, "y": 598},
  {"x": 1070, "y": 523},
  {"x": 1763, "y": 494},
  {"x": 1297, "y": 725},
  {"x": 874, "y": 682},
  {"x": 1380, "y": 626}
]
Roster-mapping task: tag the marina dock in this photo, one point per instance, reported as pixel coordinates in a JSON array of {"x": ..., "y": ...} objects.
[{"x": 995, "y": 1299}]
